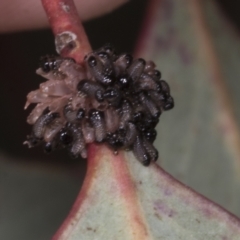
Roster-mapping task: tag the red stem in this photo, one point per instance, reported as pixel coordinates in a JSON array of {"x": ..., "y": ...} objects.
[{"x": 70, "y": 37}]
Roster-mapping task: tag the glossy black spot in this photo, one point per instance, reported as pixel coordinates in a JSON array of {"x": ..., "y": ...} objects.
[
  {"x": 157, "y": 114},
  {"x": 150, "y": 122},
  {"x": 116, "y": 139},
  {"x": 124, "y": 81},
  {"x": 146, "y": 159},
  {"x": 129, "y": 59},
  {"x": 111, "y": 93},
  {"x": 169, "y": 104},
  {"x": 157, "y": 74},
  {"x": 49, "y": 63},
  {"x": 107, "y": 80},
  {"x": 138, "y": 116},
  {"x": 92, "y": 61},
  {"x": 46, "y": 67},
  {"x": 112, "y": 140},
  {"x": 48, "y": 148},
  {"x": 141, "y": 126},
  {"x": 142, "y": 61},
  {"x": 103, "y": 55},
  {"x": 113, "y": 96},
  {"x": 109, "y": 49},
  {"x": 159, "y": 86},
  {"x": 95, "y": 115},
  {"x": 99, "y": 95},
  {"x": 165, "y": 86},
  {"x": 65, "y": 136},
  {"x": 83, "y": 84},
  {"x": 150, "y": 134},
  {"x": 80, "y": 114}
]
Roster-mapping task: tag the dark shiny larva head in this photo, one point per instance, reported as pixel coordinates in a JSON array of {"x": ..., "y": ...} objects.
[
  {"x": 47, "y": 63},
  {"x": 103, "y": 55},
  {"x": 124, "y": 61},
  {"x": 157, "y": 74},
  {"x": 92, "y": 61},
  {"x": 65, "y": 136},
  {"x": 82, "y": 85},
  {"x": 109, "y": 49},
  {"x": 95, "y": 114},
  {"x": 150, "y": 134},
  {"x": 91, "y": 88},
  {"x": 80, "y": 114},
  {"x": 165, "y": 86},
  {"x": 138, "y": 116},
  {"x": 136, "y": 68},
  {"x": 113, "y": 96},
  {"x": 124, "y": 81},
  {"x": 50, "y": 63},
  {"x": 48, "y": 147},
  {"x": 108, "y": 79},
  {"x": 169, "y": 103},
  {"x": 115, "y": 140}
]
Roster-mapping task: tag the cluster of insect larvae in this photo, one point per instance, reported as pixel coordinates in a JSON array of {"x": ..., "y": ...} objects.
[{"x": 111, "y": 99}]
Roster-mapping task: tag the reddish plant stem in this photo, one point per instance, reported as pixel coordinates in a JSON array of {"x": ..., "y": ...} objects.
[{"x": 70, "y": 37}]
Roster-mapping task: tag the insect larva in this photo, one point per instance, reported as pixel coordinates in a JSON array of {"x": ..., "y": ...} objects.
[
  {"x": 97, "y": 120},
  {"x": 49, "y": 67},
  {"x": 50, "y": 146},
  {"x": 88, "y": 132},
  {"x": 113, "y": 96},
  {"x": 123, "y": 81},
  {"x": 149, "y": 105},
  {"x": 55, "y": 88},
  {"x": 111, "y": 120},
  {"x": 165, "y": 86},
  {"x": 136, "y": 68},
  {"x": 140, "y": 152},
  {"x": 122, "y": 63},
  {"x": 151, "y": 150},
  {"x": 146, "y": 82},
  {"x": 169, "y": 103},
  {"x": 52, "y": 129},
  {"x": 78, "y": 145},
  {"x": 125, "y": 114},
  {"x": 150, "y": 134},
  {"x": 100, "y": 73},
  {"x": 162, "y": 100},
  {"x": 155, "y": 74},
  {"x": 40, "y": 125},
  {"x": 131, "y": 134},
  {"x": 50, "y": 63},
  {"x": 89, "y": 88},
  {"x": 80, "y": 114},
  {"x": 149, "y": 67},
  {"x": 150, "y": 122},
  {"x": 65, "y": 136}
]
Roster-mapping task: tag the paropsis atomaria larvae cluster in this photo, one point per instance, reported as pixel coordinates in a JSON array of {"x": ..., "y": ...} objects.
[{"x": 110, "y": 99}]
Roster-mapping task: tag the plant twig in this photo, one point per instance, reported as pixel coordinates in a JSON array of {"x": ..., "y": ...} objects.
[{"x": 70, "y": 37}]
